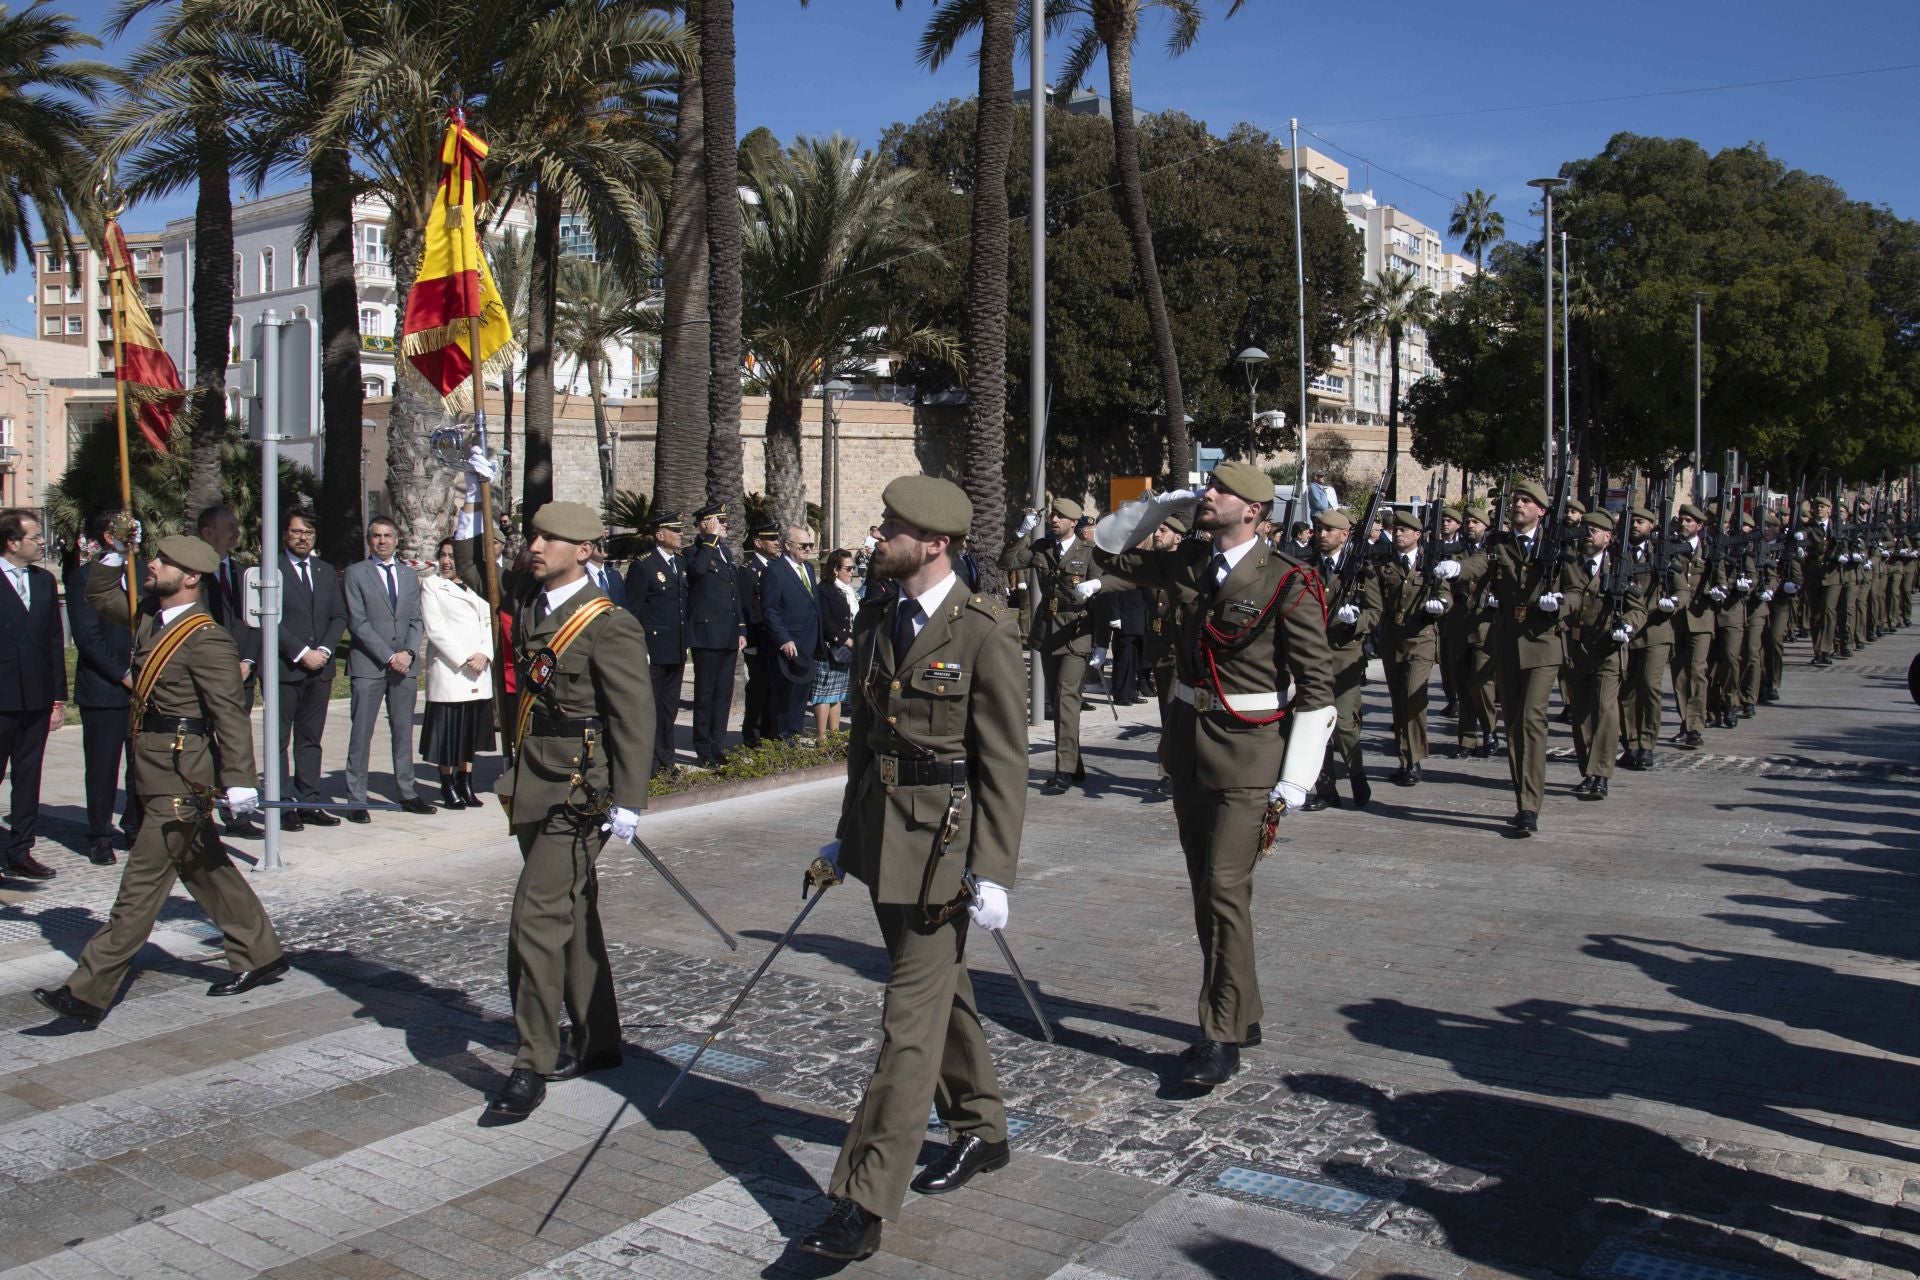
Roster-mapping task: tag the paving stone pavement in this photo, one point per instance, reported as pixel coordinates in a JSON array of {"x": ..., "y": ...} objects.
[{"x": 1672, "y": 1035}]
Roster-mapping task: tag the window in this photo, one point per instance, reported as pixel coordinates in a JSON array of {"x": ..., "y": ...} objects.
[
  {"x": 236, "y": 275},
  {"x": 373, "y": 242},
  {"x": 372, "y": 323},
  {"x": 51, "y": 293},
  {"x": 266, "y": 270},
  {"x": 53, "y": 325},
  {"x": 76, "y": 293},
  {"x": 373, "y": 387},
  {"x": 233, "y": 342},
  {"x": 76, "y": 324},
  {"x": 50, "y": 262},
  {"x": 302, "y": 266},
  {"x": 6, "y": 430}
]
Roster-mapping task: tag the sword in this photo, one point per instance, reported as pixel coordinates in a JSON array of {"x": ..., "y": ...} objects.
[
  {"x": 821, "y": 875},
  {"x": 685, "y": 896},
  {"x": 972, "y": 883},
  {"x": 1101, "y": 675}
]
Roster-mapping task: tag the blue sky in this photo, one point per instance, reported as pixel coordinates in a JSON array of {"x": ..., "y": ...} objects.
[{"x": 1414, "y": 96}]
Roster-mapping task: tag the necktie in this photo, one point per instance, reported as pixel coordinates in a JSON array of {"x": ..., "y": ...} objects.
[
  {"x": 226, "y": 581},
  {"x": 1328, "y": 568},
  {"x": 1219, "y": 569},
  {"x": 20, "y": 586},
  {"x": 904, "y": 617},
  {"x": 306, "y": 579},
  {"x": 1526, "y": 547},
  {"x": 539, "y": 608},
  {"x": 393, "y": 588},
  {"x": 1410, "y": 559}
]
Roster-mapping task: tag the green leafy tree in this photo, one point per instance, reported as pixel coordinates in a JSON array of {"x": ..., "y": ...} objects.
[
  {"x": 724, "y": 250},
  {"x": 1389, "y": 306},
  {"x": 47, "y": 140},
  {"x": 597, "y": 310}
]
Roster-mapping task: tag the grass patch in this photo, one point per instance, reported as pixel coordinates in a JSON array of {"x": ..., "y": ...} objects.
[{"x": 764, "y": 761}]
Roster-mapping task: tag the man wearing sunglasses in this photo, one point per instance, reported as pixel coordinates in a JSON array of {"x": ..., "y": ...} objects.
[{"x": 790, "y": 603}]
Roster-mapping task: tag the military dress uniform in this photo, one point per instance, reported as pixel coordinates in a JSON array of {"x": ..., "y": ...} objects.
[
  {"x": 1478, "y": 724},
  {"x": 1408, "y": 642},
  {"x": 658, "y": 595},
  {"x": 1727, "y": 571},
  {"x": 938, "y": 723},
  {"x": 1061, "y": 631},
  {"x": 191, "y": 737},
  {"x": 1346, "y": 641},
  {"x": 1599, "y": 657},
  {"x": 716, "y": 625},
  {"x": 1650, "y": 650},
  {"x": 1693, "y": 628},
  {"x": 1822, "y": 589},
  {"x": 1786, "y": 578}
]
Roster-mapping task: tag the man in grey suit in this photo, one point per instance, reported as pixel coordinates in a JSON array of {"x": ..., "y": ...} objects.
[{"x": 383, "y": 616}]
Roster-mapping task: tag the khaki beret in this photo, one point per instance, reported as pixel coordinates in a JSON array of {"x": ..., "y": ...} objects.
[
  {"x": 568, "y": 522},
  {"x": 1066, "y": 508},
  {"x": 1178, "y": 523},
  {"x": 1746, "y": 522},
  {"x": 1453, "y": 511},
  {"x": 1405, "y": 520},
  {"x": 929, "y": 503},
  {"x": 1244, "y": 481},
  {"x": 1773, "y": 519},
  {"x": 1644, "y": 513},
  {"x": 1528, "y": 489},
  {"x": 1692, "y": 512},
  {"x": 1599, "y": 520},
  {"x": 1576, "y": 506},
  {"x": 1478, "y": 511},
  {"x": 188, "y": 552},
  {"x": 1823, "y": 502},
  {"x": 1332, "y": 518}
]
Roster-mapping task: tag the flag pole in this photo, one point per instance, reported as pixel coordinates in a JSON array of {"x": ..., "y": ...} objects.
[
  {"x": 492, "y": 570},
  {"x": 114, "y": 285}
]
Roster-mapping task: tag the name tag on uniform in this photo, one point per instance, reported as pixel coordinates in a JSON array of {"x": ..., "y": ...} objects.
[
  {"x": 941, "y": 671},
  {"x": 1245, "y": 608},
  {"x": 540, "y": 670}
]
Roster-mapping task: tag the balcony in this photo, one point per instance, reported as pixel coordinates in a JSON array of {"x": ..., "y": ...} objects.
[
  {"x": 378, "y": 343},
  {"x": 373, "y": 272}
]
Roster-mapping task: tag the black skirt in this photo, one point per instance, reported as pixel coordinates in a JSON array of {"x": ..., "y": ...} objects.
[{"x": 454, "y": 732}]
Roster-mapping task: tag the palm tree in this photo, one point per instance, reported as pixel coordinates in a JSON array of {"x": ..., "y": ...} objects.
[
  {"x": 825, "y": 222},
  {"x": 680, "y": 419},
  {"x": 595, "y": 311},
  {"x": 720, "y": 151},
  {"x": 1477, "y": 224},
  {"x": 1388, "y": 307},
  {"x": 46, "y": 140},
  {"x": 986, "y": 477},
  {"x": 511, "y": 257}
]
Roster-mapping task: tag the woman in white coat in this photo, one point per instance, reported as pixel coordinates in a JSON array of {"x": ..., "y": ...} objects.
[{"x": 459, "y": 721}]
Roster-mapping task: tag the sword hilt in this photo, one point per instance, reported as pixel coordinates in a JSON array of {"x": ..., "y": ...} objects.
[{"x": 821, "y": 875}]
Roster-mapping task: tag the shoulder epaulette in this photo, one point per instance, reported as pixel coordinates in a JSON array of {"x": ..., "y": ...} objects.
[{"x": 986, "y": 602}]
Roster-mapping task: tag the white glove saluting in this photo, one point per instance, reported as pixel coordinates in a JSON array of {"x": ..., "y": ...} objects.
[
  {"x": 1028, "y": 524},
  {"x": 1287, "y": 795},
  {"x": 989, "y": 905},
  {"x": 1348, "y": 613},
  {"x": 242, "y": 801},
  {"x": 1435, "y": 606},
  {"x": 1086, "y": 590},
  {"x": 1549, "y": 602},
  {"x": 620, "y": 824},
  {"x": 1447, "y": 570}
]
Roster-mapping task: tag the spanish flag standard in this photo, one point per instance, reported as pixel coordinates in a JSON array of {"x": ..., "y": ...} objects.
[
  {"x": 146, "y": 373},
  {"x": 455, "y": 285}
]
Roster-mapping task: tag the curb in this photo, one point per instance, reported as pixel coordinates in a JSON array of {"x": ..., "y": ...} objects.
[{"x": 745, "y": 787}]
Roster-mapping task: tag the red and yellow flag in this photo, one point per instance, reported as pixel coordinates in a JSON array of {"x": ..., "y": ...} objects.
[
  {"x": 144, "y": 369},
  {"x": 455, "y": 284}
]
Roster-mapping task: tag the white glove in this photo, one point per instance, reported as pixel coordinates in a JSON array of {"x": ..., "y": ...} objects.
[
  {"x": 1114, "y": 625},
  {"x": 1447, "y": 570},
  {"x": 1176, "y": 495},
  {"x": 1799, "y": 535},
  {"x": 1765, "y": 596},
  {"x": 1844, "y": 558},
  {"x": 1667, "y": 604},
  {"x": 989, "y": 905},
  {"x": 620, "y": 823},
  {"x": 1493, "y": 601},
  {"x": 1623, "y": 633},
  {"x": 1086, "y": 590},
  {"x": 480, "y": 465},
  {"x": 1348, "y": 613},
  {"x": 1791, "y": 588},
  {"x": 1436, "y": 606},
  {"x": 1549, "y": 602},
  {"x": 1716, "y": 594},
  {"x": 1098, "y": 660},
  {"x": 1745, "y": 584},
  {"x": 1287, "y": 794},
  {"x": 112, "y": 559},
  {"x": 242, "y": 801},
  {"x": 831, "y": 852},
  {"x": 1028, "y": 524}
]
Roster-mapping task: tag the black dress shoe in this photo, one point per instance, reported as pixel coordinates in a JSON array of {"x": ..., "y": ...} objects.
[
  {"x": 472, "y": 798},
  {"x": 964, "y": 1157},
  {"x": 100, "y": 851},
  {"x": 243, "y": 828},
  {"x": 1584, "y": 786},
  {"x": 1055, "y": 785},
  {"x": 247, "y": 979},
  {"x": 1599, "y": 790},
  {"x": 1529, "y": 821},
  {"x": 1362, "y": 790},
  {"x": 848, "y": 1233},
  {"x": 21, "y": 862},
  {"x": 1694, "y": 738},
  {"x": 1483, "y": 752},
  {"x": 519, "y": 1096},
  {"x": 1629, "y": 759},
  {"x": 1646, "y": 757},
  {"x": 1209, "y": 1063},
  {"x": 1450, "y": 712},
  {"x": 1315, "y": 802},
  {"x": 1769, "y": 697},
  {"x": 1746, "y": 712},
  {"x": 317, "y": 817},
  {"x": 450, "y": 797},
  {"x": 290, "y": 820},
  {"x": 68, "y": 1005},
  {"x": 414, "y": 804},
  {"x": 571, "y": 1068}
]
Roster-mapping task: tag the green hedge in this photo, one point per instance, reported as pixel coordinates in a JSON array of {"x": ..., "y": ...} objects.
[{"x": 764, "y": 761}]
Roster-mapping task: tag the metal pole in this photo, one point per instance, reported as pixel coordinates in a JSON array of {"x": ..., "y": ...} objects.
[
  {"x": 1566, "y": 342},
  {"x": 1548, "y": 327},
  {"x": 1037, "y": 370},
  {"x": 1300, "y": 296},
  {"x": 269, "y": 393},
  {"x": 1698, "y": 483}
]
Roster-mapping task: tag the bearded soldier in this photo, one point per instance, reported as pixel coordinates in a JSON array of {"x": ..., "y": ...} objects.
[
  {"x": 1252, "y": 622},
  {"x": 1060, "y": 631}
]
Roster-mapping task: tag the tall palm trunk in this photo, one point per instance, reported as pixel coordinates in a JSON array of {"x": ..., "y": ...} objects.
[
  {"x": 420, "y": 492},
  {"x": 721, "y": 151},
  {"x": 786, "y": 487},
  {"x": 342, "y": 399},
  {"x": 212, "y": 316},
  {"x": 680, "y": 436},
  {"x": 986, "y": 445},
  {"x": 1393, "y": 400},
  {"x": 543, "y": 283},
  {"x": 1133, "y": 206},
  {"x": 603, "y": 438}
]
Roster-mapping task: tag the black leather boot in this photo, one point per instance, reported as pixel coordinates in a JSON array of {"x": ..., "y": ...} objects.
[{"x": 450, "y": 797}]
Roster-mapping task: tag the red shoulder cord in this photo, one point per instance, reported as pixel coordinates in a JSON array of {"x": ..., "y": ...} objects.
[{"x": 1210, "y": 635}]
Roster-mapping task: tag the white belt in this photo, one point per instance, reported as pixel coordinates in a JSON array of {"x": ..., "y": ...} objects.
[{"x": 1205, "y": 700}]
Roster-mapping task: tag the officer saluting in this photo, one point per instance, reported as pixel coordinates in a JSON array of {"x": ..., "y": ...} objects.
[
  {"x": 1060, "y": 629},
  {"x": 716, "y": 631},
  {"x": 936, "y": 786},
  {"x": 187, "y": 700},
  {"x": 583, "y": 744},
  {"x": 657, "y": 594}
]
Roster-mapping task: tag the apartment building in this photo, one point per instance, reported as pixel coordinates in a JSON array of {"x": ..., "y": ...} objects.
[{"x": 72, "y": 305}]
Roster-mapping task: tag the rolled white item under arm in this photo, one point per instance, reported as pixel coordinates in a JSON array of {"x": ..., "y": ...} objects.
[
  {"x": 467, "y": 525},
  {"x": 1307, "y": 746}
]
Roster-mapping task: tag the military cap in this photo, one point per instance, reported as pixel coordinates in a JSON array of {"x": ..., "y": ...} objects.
[
  {"x": 1823, "y": 502},
  {"x": 1454, "y": 510},
  {"x": 711, "y": 509},
  {"x": 189, "y": 552},
  {"x": 1085, "y": 522},
  {"x": 1244, "y": 481},
  {"x": 1178, "y": 523},
  {"x": 929, "y": 503},
  {"x": 1602, "y": 519},
  {"x": 1576, "y": 506},
  {"x": 1477, "y": 511},
  {"x": 766, "y": 529},
  {"x": 1692, "y": 512},
  {"x": 1332, "y": 518},
  {"x": 1405, "y": 520},
  {"x": 1644, "y": 513},
  {"x": 666, "y": 520},
  {"x": 1528, "y": 489},
  {"x": 568, "y": 522},
  {"x": 1066, "y": 508},
  {"x": 1773, "y": 519},
  {"x": 1746, "y": 522}
]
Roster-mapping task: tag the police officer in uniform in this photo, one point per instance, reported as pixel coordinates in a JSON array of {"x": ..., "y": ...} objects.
[
  {"x": 190, "y": 735},
  {"x": 1650, "y": 649},
  {"x": 1413, "y": 597},
  {"x": 716, "y": 631},
  {"x": 1352, "y": 614},
  {"x": 1061, "y": 629},
  {"x": 657, "y": 593},
  {"x": 938, "y": 731},
  {"x": 1598, "y": 632},
  {"x": 758, "y": 720},
  {"x": 1252, "y": 622},
  {"x": 579, "y": 773}
]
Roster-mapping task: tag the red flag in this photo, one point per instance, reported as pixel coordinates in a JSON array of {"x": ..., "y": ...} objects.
[{"x": 144, "y": 369}]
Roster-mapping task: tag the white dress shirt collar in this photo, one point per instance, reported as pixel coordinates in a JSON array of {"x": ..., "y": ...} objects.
[
  {"x": 1234, "y": 555},
  {"x": 930, "y": 599},
  {"x": 557, "y": 596},
  {"x": 168, "y": 615}
]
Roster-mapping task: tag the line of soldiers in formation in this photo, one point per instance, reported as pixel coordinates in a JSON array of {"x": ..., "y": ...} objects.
[{"x": 1420, "y": 595}]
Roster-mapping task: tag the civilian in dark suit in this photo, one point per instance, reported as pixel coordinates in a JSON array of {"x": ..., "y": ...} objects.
[
  {"x": 657, "y": 589},
  {"x": 716, "y": 631},
  {"x": 382, "y": 596},
  {"x": 1120, "y": 623},
  {"x": 313, "y": 614},
  {"x": 103, "y": 687},
  {"x": 760, "y": 718},
  {"x": 789, "y": 597},
  {"x": 604, "y": 576},
  {"x": 33, "y": 680},
  {"x": 223, "y": 594}
]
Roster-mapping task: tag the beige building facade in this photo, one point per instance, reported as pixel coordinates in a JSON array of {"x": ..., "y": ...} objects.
[{"x": 71, "y": 302}]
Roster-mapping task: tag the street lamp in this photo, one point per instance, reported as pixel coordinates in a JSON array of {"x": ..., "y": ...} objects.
[
  {"x": 1251, "y": 359},
  {"x": 1546, "y": 187},
  {"x": 1698, "y": 481},
  {"x": 835, "y": 394}
]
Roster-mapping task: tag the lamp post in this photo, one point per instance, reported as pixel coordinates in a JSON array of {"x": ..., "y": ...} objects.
[
  {"x": 835, "y": 394},
  {"x": 1698, "y": 481},
  {"x": 1546, "y": 187},
  {"x": 1251, "y": 359}
]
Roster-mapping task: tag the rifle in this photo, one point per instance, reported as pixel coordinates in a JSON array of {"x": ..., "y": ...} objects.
[
  {"x": 1552, "y": 542},
  {"x": 1662, "y": 558},
  {"x": 1357, "y": 548},
  {"x": 1499, "y": 513},
  {"x": 1764, "y": 552},
  {"x": 1430, "y": 546}
]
